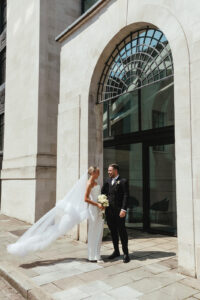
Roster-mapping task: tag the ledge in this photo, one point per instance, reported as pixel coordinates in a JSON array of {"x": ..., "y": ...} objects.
[
  {"x": 81, "y": 20},
  {"x": 22, "y": 283}
]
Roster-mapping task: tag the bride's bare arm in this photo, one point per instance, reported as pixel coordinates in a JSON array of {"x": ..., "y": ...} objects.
[{"x": 87, "y": 196}]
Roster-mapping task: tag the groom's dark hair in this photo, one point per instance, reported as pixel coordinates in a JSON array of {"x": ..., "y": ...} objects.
[{"x": 115, "y": 166}]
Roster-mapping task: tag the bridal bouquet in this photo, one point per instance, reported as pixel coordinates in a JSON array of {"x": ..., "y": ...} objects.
[{"x": 102, "y": 199}]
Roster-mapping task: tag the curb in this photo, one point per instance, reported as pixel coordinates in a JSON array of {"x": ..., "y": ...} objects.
[{"x": 21, "y": 283}]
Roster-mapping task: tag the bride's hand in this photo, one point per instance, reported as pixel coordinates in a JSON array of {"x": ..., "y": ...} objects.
[{"x": 100, "y": 206}]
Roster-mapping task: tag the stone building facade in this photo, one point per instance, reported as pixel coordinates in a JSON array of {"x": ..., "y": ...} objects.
[
  {"x": 120, "y": 83},
  {"x": 93, "y": 40},
  {"x": 28, "y": 173}
]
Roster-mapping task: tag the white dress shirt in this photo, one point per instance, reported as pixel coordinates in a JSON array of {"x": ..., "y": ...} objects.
[{"x": 113, "y": 181}]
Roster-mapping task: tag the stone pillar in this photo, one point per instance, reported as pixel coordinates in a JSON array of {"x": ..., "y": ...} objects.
[
  {"x": 32, "y": 93},
  {"x": 195, "y": 112}
]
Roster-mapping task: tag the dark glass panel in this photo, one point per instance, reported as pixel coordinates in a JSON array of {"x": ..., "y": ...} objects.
[
  {"x": 86, "y": 4},
  {"x": 3, "y": 14},
  {"x": 1, "y": 131},
  {"x": 129, "y": 158},
  {"x": 157, "y": 102},
  {"x": 162, "y": 185},
  {"x": 2, "y": 67},
  {"x": 105, "y": 119},
  {"x": 124, "y": 114}
]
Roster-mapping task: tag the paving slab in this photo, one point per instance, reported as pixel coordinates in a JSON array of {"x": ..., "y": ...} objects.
[
  {"x": 191, "y": 282},
  {"x": 158, "y": 295},
  {"x": 51, "y": 288},
  {"x": 146, "y": 285},
  {"x": 73, "y": 293},
  {"x": 62, "y": 271},
  {"x": 118, "y": 280},
  {"x": 157, "y": 268},
  {"x": 53, "y": 276},
  {"x": 67, "y": 283},
  {"x": 179, "y": 291},
  {"x": 124, "y": 293},
  {"x": 100, "y": 296},
  {"x": 139, "y": 273},
  {"x": 95, "y": 287}
]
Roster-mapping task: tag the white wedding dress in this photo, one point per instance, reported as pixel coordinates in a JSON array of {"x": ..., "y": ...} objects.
[
  {"x": 67, "y": 213},
  {"x": 95, "y": 226}
]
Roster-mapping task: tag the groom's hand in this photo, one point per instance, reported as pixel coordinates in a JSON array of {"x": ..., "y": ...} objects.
[{"x": 122, "y": 214}]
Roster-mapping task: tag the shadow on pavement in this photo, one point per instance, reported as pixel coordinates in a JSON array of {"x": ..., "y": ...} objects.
[
  {"x": 144, "y": 255},
  {"x": 136, "y": 255},
  {"x": 48, "y": 262}
]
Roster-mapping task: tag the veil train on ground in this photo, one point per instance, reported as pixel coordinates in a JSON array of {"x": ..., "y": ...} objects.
[{"x": 67, "y": 213}]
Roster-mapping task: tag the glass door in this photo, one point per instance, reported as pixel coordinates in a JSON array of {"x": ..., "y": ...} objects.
[
  {"x": 161, "y": 188},
  {"x": 129, "y": 158},
  {"x": 150, "y": 170}
]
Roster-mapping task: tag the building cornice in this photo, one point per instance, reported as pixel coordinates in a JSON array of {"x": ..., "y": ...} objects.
[{"x": 81, "y": 20}]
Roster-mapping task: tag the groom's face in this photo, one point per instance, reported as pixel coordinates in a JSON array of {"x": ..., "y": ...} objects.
[{"x": 112, "y": 172}]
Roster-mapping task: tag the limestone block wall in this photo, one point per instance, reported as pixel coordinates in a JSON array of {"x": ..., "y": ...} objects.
[
  {"x": 179, "y": 20},
  {"x": 54, "y": 17},
  {"x": 32, "y": 93},
  {"x": 20, "y": 139}
]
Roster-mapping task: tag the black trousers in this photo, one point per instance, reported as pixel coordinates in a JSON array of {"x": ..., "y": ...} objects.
[{"x": 117, "y": 228}]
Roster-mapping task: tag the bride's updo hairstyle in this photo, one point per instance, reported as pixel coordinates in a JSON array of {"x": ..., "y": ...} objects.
[{"x": 92, "y": 169}]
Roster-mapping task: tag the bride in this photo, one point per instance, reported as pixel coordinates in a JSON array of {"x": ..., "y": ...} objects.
[
  {"x": 67, "y": 213},
  {"x": 95, "y": 228}
]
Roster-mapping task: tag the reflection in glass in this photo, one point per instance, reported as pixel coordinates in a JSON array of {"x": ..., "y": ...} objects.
[
  {"x": 87, "y": 4},
  {"x": 2, "y": 66},
  {"x": 129, "y": 158},
  {"x": 137, "y": 85},
  {"x": 1, "y": 131},
  {"x": 124, "y": 114},
  {"x": 142, "y": 58},
  {"x": 3, "y": 15},
  {"x": 162, "y": 185},
  {"x": 105, "y": 120},
  {"x": 157, "y": 102},
  {"x": 157, "y": 109}
]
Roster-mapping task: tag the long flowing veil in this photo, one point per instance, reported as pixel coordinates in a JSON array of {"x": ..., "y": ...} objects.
[{"x": 67, "y": 213}]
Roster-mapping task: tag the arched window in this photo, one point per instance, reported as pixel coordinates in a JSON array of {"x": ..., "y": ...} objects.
[
  {"x": 137, "y": 92},
  {"x": 142, "y": 58},
  {"x": 136, "y": 85}
]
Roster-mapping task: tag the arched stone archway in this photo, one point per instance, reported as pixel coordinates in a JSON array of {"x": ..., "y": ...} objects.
[{"x": 182, "y": 122}]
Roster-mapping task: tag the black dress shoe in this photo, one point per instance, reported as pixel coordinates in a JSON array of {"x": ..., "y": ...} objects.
[
  {"x": 113, "y": 255},
  {"x": 126, "y": 258}
]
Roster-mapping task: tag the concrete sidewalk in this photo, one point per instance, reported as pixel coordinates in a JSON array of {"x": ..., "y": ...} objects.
[{"x": 62, "y": 271}]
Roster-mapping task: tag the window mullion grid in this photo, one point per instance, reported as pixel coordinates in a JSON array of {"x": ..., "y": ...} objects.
[
  {"x": 139, "y": 108},
  {"x": 108, "y": 118},
  {"x": 118, "y": 68}
]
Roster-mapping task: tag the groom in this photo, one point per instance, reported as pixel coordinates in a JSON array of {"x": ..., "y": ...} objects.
[{"x": 117, "y": 192}]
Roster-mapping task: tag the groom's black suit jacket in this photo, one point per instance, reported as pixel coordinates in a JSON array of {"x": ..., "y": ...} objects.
[{"x": 118, "y": 193}]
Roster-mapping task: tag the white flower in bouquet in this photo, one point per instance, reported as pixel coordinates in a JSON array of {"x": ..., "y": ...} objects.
[{"x": 103, "y": 200}]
